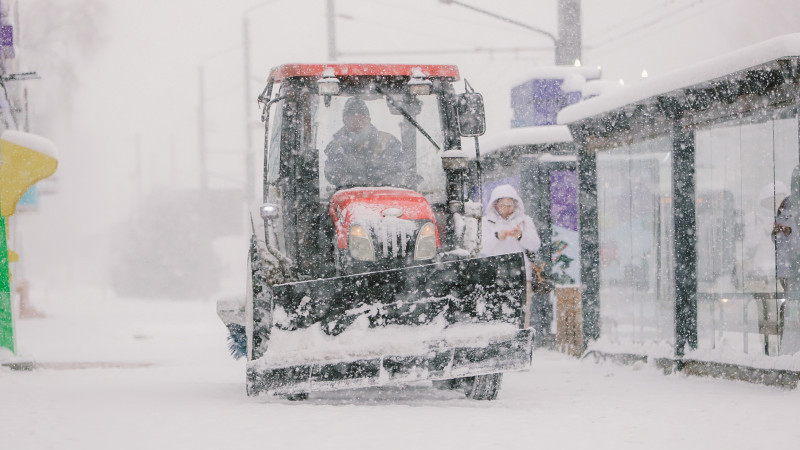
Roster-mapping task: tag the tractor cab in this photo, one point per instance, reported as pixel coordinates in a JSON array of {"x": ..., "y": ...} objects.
[{"x": 364, "y": 164}]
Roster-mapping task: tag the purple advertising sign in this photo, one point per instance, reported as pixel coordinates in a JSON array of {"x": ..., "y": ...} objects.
[
  {"x": 537, "y": 102},
  {"x": 564, "y": 198},
  {"x": 7, "y": 41},
  {"x": 6, "y": 35},
  {"x": 564, "y": 240}
]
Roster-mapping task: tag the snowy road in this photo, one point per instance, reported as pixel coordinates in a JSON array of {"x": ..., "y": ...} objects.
[{"x": 157, "y": 375}]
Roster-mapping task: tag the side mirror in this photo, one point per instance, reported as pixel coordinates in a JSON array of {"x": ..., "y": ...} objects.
[
  {"x": 269, "y": 211},
  {"x": 471, "y": 115}
]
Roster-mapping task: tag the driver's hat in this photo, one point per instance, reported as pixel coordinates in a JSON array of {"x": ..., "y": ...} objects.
[{"x": 355, "y": 106}]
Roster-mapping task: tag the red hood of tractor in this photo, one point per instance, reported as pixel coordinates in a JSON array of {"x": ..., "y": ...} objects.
[{"x": 369, "y": 204}]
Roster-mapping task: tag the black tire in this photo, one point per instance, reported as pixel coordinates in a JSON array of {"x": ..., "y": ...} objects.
[
  {"x": 484, "y": 387},
  {"x": 297, "y": 397},
  {"x": 257, "y": 305},
  {"x": 451, "y": 384},
  {"x": 249, "y": 389},
  {"x": 249, "y": 309}
]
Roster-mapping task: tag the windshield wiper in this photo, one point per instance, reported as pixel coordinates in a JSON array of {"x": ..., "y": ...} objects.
[{"x": 408, "y": 117}]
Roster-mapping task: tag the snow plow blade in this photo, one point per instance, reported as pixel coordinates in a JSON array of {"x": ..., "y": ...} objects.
[{"x": 429, "y": 322}]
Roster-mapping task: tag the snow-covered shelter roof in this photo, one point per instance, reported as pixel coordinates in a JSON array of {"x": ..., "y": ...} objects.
[
  {"x": 759, "y": 65},
  {"x": 547, "y": 134}
]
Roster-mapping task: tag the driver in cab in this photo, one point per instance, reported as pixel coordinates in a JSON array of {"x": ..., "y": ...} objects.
[{"x": 361, "y": 155}]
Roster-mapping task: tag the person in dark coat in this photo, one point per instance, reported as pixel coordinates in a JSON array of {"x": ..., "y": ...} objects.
[
  {"x": 362, "y": 155},
  {"x": 786, "y": 235}
]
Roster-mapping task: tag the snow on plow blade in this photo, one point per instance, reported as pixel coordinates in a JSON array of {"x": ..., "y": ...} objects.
[{"x": 436, "y": 321}]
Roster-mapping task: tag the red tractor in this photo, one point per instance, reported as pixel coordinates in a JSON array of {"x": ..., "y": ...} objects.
[{"x": 364, "y": 269}]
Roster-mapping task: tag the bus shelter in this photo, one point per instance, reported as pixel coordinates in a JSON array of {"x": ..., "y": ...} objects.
[{"x": 681, "y": 178}]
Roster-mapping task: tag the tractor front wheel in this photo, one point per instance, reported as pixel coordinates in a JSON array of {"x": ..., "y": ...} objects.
[{"x": 483, "y": 387}]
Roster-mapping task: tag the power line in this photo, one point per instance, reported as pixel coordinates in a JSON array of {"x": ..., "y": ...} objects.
[
  {"x": 385, "y": 26},
  {"x": 450, "y": 51},
  {"x": 654, "y": 22},
  {"x": 628, "y": 21},
  {"x": 450, "y": 37},
  {"x": 258, "y": 5},
  {"x": 485, "y": 12},
  {"x": 428, "y": 14}
]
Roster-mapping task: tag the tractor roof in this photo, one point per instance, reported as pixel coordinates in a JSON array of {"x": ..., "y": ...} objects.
[{"x": 280, "y": 73}]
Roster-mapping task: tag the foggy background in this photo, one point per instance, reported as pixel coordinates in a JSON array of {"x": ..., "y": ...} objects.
[{"x": 119, "y": 95}]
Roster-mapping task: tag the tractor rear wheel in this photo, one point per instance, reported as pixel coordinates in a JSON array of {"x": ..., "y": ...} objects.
[
  {"x": 297, "y": 396},
  {"x": 452, "y": 384}
]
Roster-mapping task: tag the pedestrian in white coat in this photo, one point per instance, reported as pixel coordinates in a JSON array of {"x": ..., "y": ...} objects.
[{"x": 505, "y": 228}]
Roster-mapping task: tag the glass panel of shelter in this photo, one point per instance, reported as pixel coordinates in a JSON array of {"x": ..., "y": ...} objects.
[
  {"x": 636, "y": 257},
  {"x": 743, "y": 174}
]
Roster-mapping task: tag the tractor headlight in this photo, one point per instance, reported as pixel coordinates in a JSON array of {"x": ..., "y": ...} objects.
[
  {"x": 360, "y": 244},
  {"x": 425, "y": 247}
]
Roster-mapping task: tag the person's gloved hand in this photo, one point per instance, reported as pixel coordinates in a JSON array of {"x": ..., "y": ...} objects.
[{"x": 782, "y": 229}]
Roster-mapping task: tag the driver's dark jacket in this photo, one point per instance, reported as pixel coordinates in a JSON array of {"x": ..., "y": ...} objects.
[{"x": 367, "y": 158}]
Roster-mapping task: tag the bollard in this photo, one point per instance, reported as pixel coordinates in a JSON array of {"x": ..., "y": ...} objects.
[{"x": 569, "y": 333}]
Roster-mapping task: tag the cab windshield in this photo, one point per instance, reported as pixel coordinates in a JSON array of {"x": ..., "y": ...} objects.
[{"x": 365, "y": 139}]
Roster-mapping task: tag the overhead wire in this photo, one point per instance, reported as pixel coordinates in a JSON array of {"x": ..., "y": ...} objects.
[
  {"x": 614, "y": 28},
  {"x": 657, "y": 20},
  {"x": 385, "y": 26},
  {"x": 651, "y": 20},
  {"x": 450, "y": 51},
  {"x": 254, "y": 6},
  {"x": 446, "y": 36},
  {"x": 451, "y": 18}
]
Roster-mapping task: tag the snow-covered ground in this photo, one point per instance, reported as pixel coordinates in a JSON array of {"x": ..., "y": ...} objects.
[{"x": 133, "y": 374}]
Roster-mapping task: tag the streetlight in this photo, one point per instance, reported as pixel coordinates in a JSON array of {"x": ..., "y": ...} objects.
[
  {"x": 249, "y": 153},
  {"x": 567, "y": 45},
  {"x": 250, "y": 157},
  {"x": 201, "y": 130},
  {"x": 331, "y": 18}
]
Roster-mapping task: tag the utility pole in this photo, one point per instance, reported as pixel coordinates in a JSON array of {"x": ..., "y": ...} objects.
[
  {"x": 568, "y": 45},
  {"x": 249, "y": 154},
  {"x": 331, "y": 11},
  {"x": 201, "y": 130},
  {"x": 139, "y": 171}
]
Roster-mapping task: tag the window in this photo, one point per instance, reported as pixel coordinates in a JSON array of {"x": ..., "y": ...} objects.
[
  {"x": 274, "y": 156},
  {"x": 413, "y": 163}
]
